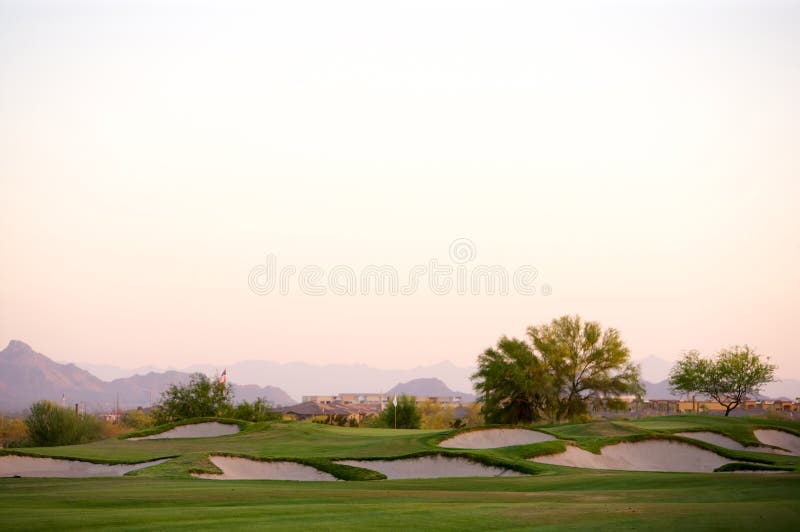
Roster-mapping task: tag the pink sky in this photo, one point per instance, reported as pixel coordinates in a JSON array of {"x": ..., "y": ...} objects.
[{"x": 642, "y": 159}]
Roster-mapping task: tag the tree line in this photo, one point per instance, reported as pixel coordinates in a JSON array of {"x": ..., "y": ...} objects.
[{"x": 565, "y": 367}]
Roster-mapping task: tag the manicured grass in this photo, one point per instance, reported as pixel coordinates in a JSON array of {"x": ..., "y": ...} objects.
[
  {"x": 552, "y": 498},
  {"x": 592, "y": 430},
  {"x": 259, "y": 440},
  {"x": 576, "y": 501}
]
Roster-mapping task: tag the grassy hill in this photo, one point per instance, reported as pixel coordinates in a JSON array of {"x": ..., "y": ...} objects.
[{"x": 552, "y": 497}]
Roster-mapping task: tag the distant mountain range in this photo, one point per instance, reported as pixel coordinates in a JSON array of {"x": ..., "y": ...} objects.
[
  {"x": 654, "y": 369},
  {"x": 299, "y": 378},
  {"x": 27, "y": 376}
]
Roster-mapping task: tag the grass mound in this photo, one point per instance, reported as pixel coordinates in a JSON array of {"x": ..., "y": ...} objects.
[
  {"x": 152, "y": 431},
  {"x": 749, "y": 466}
]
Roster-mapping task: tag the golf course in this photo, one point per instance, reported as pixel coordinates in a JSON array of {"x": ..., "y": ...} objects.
[{"x": 481, "y": 478}]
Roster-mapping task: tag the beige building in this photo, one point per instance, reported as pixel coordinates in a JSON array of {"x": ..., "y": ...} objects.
[
  {"x": 366, "y": 398},
  {"x": 347, "y": 399},
  {"x": 319, "y": 399},
  {"x": 441, "y": 400},
  {"x": 362, "y": 398}
]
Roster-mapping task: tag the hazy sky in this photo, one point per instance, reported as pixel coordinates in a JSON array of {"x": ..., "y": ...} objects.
[{"x": 642, "y": 156}]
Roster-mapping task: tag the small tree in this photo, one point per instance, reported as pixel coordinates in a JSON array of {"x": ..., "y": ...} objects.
[
  {"x": 734, "y": 374},
  {"x": 408, "y": 416},
  {"x": 199, "y": 398}
]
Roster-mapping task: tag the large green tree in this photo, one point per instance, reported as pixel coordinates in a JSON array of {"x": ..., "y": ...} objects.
[
  {"x": 565, "y": 366},
  {"x": 201, "y": 397},
  {"x": 729, "y": 378}
]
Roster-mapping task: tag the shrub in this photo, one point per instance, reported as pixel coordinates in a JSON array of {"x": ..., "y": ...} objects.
[
  {"x": 13, "y": 432},
  {"x": 112, "y": 430},
  {"x": 474, "y": 416},
  {"x": 258, "y": 410},
  {"x": 435, "y": 416},
  {"x": 50, "y": 424},
  {"x": 339, "y": 420},
  {"x": 777, "y": 415},
  {"x": 458, "y": 424},
  {"x": 137, "y": 419}
]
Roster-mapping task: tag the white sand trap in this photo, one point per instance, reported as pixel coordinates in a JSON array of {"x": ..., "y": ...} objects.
[
  {"x": 779, "y": 438},
  {"x": 492, "y": 438},
  {"x": 28, "y": 466},
  {"x": 652, "y": 455},
  {"x": 198, "y": 430},
  {"x": 431, "y": 467},
  {"x": 726, "y": 442},
  {"x": 234, "y": 468}
]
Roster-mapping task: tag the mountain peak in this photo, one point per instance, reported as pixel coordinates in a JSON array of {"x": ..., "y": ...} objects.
[
  {"x": 27, "y": 376},
  {"x": 16, "y": 349},
  {"x": 654, "y": 369},
  {"x": 426, "y": 387},
  {"x": 17, "y": 346}
]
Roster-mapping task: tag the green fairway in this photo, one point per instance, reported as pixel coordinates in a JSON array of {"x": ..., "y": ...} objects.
[
  {"x": 586, "y": 500},
  {"x": 551, "y": 498}
]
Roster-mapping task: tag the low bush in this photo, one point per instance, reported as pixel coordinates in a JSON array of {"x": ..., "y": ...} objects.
[
  {"x": 258, "y": 410},
  {"x": 13, "y": 432}
]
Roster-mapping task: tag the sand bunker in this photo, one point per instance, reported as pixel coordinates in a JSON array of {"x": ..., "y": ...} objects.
[
  {"x": 28, "y": 466},
  {"x": 198, "y": 430},
  {"x": 491, "y": 438},
  {"x": 653, "y": 455},
  {"x": 779, "y": 438},
  {"x": 724, "y": 441},
  {"x": 431, "y": 467},
  {"x": 234, "y": 468}
]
